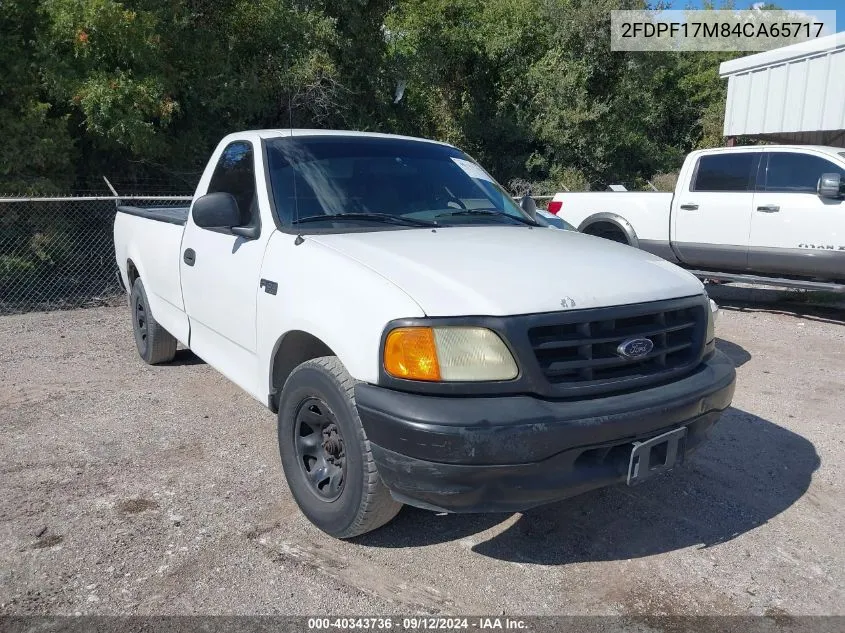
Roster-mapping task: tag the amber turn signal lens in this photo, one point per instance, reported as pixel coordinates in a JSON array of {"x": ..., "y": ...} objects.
[{"x": 410, "y": 353}]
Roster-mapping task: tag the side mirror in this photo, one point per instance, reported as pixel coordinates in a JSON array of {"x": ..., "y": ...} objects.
[
  {"x": 220, "y": 211},
  {"x": 830, "y": 186},
  {"x": 528, "y": 205},
  {"x": 216, "y": 211}
]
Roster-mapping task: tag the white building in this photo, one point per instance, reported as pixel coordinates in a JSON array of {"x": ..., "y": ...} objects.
[{"x": 794, "y": 94}]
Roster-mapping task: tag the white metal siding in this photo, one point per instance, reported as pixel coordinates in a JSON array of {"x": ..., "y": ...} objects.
[{"x": 793, "y": 94}]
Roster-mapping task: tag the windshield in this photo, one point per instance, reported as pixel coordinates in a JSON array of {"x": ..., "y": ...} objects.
[{"x": 343, "y": 182}]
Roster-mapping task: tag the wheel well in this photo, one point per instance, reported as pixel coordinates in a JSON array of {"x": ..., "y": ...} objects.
[
  {"x": 294, "y": 349},
  {"x": 607, "y": 230},
  {"x": 131, "y": 273}
]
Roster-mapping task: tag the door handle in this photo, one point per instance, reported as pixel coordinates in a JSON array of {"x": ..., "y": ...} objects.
[
  {"x": 689, "y": 206},
  {"x": 769, "y": 208},
  {"x": 189, "y": 257}
]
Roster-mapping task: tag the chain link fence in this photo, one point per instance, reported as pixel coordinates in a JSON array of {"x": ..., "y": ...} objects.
[{"x": 58, "y": 253}]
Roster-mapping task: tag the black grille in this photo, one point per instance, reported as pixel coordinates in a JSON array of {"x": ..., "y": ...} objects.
[{"x": 582, "y": 353}]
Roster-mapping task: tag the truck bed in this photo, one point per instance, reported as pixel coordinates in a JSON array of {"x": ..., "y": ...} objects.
[
  {"x": 150, "y": 242},
  {"x": 647, "y": 211},
  {"x": 171, "y": 215}
]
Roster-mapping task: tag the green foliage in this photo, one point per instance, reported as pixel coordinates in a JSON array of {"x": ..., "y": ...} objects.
[
  {"x": 104, "y": 61},
  {"x": 529, "y": 87},
  {"x": 35, "y": 152},
  {"x": 665, "y": 182}
]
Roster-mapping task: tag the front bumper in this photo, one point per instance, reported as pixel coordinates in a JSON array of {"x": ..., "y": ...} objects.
[{"x": 511, "y": 453}]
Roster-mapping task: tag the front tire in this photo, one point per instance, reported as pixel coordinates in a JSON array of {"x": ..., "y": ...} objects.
[
  {"x": 325, "y": 452},
  {"x": 155, "y": 344}
]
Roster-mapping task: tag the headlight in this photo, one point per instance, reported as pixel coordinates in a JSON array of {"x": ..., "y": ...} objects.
[
  {"x": 449, "y": 354},
  {"x": 714, "y": 310},
  {"x": 712, "y": 317},
  {"x": 710, "y": 334}
]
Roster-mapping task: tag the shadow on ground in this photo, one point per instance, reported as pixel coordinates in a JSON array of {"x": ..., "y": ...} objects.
[
  {"x": 186, "y": 357},
  {"x": 811, "y": 305},
  {"x": 738, "y": 354},
  {"x": 749, "y": 471}
]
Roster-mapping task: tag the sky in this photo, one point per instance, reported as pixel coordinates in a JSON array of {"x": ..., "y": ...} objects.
[{"x": 807, "y": 6}]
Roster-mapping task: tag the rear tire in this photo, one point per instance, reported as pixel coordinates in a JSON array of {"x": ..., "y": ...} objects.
[
  {"x": 325, "y": 452},
  {"x": 155, "y": 344},
  {"x": 608, "y": 232}
]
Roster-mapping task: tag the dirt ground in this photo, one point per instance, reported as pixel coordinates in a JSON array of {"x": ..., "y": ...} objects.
[{"x": 129, "y": 489}]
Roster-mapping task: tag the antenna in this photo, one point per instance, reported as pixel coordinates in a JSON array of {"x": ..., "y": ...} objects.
[
  {"x": 290, "y": 110},
  {"x": 292, "y": 168}
]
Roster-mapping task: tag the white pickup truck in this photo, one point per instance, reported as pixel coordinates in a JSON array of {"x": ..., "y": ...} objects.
[
  {"x": 771, "y": 214},
  {"x": 377, "y": 293}
]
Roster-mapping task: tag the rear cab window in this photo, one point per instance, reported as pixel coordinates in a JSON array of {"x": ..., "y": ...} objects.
[{"x": 728, "y": 172}]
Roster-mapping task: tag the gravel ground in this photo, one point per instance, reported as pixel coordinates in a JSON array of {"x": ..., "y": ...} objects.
[{"x": 129, "y": 489}]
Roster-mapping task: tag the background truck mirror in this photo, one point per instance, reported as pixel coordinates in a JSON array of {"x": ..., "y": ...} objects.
[
  {"x": 528, "y": 205},
  {"x": 830, "y": 186}
]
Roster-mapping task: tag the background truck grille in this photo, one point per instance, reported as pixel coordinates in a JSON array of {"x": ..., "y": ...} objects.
[{"x": 584, "y": 352}]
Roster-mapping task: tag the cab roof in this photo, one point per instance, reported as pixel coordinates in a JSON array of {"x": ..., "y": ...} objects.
[
  {"x": 824, "y": 149},
  {"x": 289, "y": 132}
]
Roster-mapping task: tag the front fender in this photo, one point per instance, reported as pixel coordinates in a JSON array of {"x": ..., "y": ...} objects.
[{"x": 339, "y": 301}]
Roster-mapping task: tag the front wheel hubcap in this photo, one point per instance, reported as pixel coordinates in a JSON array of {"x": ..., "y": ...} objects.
[{"x": 320, "y": 449}]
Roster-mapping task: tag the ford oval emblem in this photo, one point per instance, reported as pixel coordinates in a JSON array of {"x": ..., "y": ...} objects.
[{"x": 635, "y": 347}]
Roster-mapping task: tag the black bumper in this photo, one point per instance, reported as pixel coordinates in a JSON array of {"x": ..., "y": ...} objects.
[{"x": 511, "y": 453}]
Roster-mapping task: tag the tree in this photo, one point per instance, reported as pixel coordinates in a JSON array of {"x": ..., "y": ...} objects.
[
  {"x": 36, "y": 151},
  {"x": 146, "y": 88}
]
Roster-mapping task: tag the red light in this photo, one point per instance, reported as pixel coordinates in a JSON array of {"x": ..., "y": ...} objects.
[{"x": 554, "y": 207}]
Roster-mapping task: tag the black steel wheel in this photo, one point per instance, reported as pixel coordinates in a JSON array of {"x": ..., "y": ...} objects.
[
  {"x": 140, "y": 313},
  {"x": 320, "y": 449},
  {"x": 325, "y": 453},
  {"x": 154, "y": 343}
]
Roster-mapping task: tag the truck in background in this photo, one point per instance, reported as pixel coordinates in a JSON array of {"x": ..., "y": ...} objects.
[{"x": 764, "y": 214}]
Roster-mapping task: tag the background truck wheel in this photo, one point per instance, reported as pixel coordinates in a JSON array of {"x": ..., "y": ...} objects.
[
  {"x": 155, "y": 344},
  {"x": 325, "y": 452},
  {"x": 608, "y": 232}
]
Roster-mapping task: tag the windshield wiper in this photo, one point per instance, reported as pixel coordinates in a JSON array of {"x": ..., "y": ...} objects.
[
  {"x": 374, "y": 217},
  {"x": 491, "y": 211}
]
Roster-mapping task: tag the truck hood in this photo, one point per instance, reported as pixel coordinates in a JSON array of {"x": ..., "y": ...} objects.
[{"x": 503, "y": 270}]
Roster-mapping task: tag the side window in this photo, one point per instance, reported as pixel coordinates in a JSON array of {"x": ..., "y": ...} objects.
[
  {"x": 731, "y": 171},
  {"x": 235, "y": 174},
  {"x": 791, "y": 172}
]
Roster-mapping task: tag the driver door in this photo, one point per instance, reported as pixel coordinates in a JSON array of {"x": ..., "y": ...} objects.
[{"x": 220, "y": 274}]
